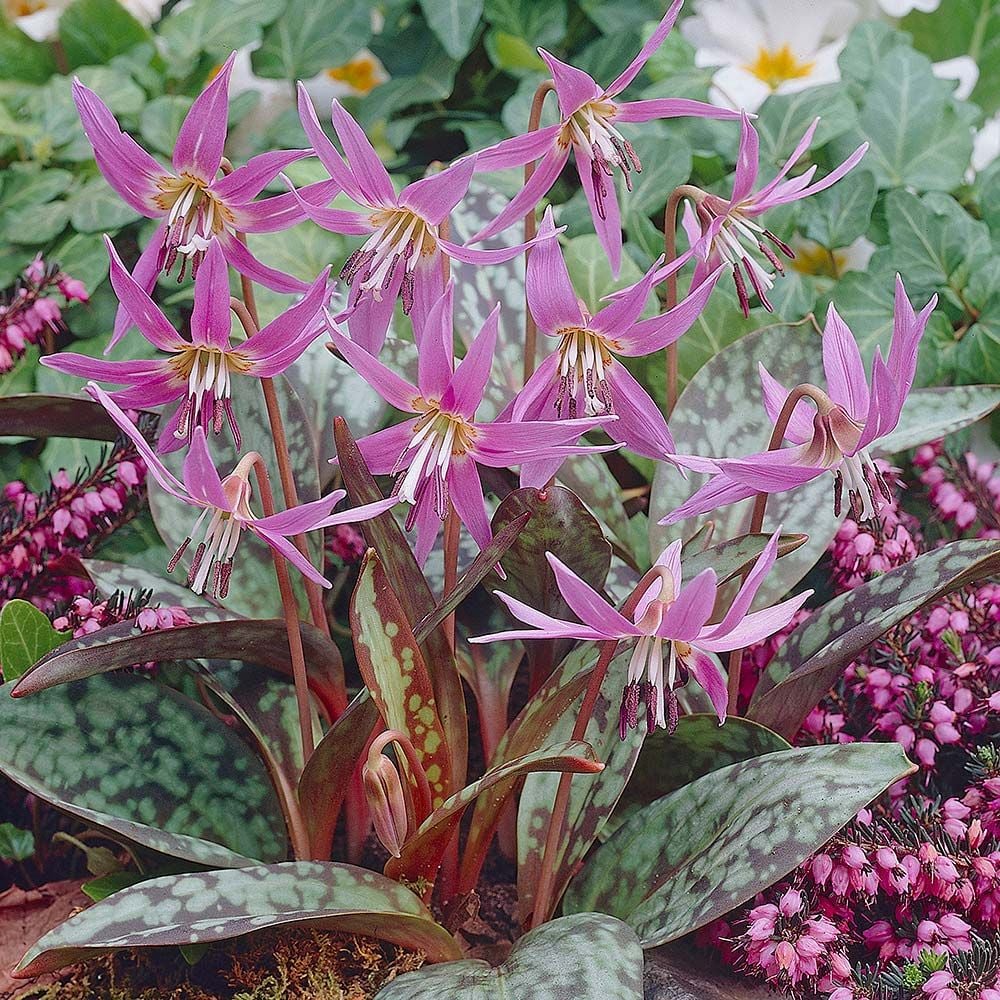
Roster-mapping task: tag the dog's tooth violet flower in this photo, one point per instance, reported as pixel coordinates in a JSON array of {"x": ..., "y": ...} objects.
[
  {"x": 199, "y": 371},
  {"x": 589, "y": 129},
  {"x": 837, "y": 436},
  {"x": 728, "y": 231},
  {"x": 673, "y": 640},
  {"x": 225, "y": 505}
]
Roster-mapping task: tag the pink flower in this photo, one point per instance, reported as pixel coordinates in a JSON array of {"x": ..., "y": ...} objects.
[
  {"x": 402, "y": 256},
  {"x": 198, "y": 371},
  {"x": 226, "y": 504},
  {"x": 836, "y": 437},
  {"x": 670, "y": 626},
  {"x": 589, "y": 127},
  {"x": 435, "y": 455},
  {"x": 726, "y": 231},
  {"x": 584, "y": 374},
  {"x": 198, "y": 207}
]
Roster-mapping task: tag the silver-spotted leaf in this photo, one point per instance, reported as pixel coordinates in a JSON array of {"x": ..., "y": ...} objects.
[
  {"x": 929, "y": 414},
  {"x": 697, "y": 853},
  {"x": 111, "y": 576},
  {"x": 810, "y": 661},
  {"x": 586, "y": 956},
  {"x": 145, "y": 764},
  {"x": 216, "y": 906},
  {"x": 731, "y": 557},
  {"x": 679, "y": 972}
]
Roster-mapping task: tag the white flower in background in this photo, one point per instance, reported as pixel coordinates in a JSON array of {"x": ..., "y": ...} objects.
[
  {"x": 39, "y": 19},
  {"x": 765, "y": 47},
  {"x": 356, "y": 78},
  {"x": 814, "y": 259},
  {"x": 900, "y": 8},
  {"x": 963, "y": 69},
  {"x": 986, "y": 147}
]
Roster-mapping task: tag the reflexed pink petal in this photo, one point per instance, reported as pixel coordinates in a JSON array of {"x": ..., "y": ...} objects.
[
  {"x": 246, "y": 263},
  {"x": 846, "y": 381},
  {"x": 428, "y": 287},
  {"x": 211, "y": 322},
  {"x": 884, "y": 407},
  {"x": 334, "y": 220},
  {"x": 201, "y": 478},
  {"x": 719, "y": 491},
  {"x": 145, "y": 313},
  {"x": 152, "y": 391},
  {"x": 390, "y": 386},
  {"x": 545, "y": 175},
  {"x": 670, "y": 107},
  {"x": 670, "y": 560},
  {"x": 652, "y": 44},
  {"x": 200, "y": 142},
  {"x": 145, "y": 273},
  {"x": 285, "y": 548},
  {"x": 549, "y": 291},
  {"x": 800, "y": 424},
  {"x": 686, "y": 617},
  {"x": 382, "y": 450},
  {"x": 907, "y": 330},
  {"x": 358, "y": 515},
  {"x": 640, "y": 426},
  {"x": 784, "y": 196},
  {"x": 536, "y": 401},
  {"x": 747, "y": 161},
  {"x": 270, "y": 215},
  {"x": 804, "y": 144},
  {"x": 546, "y": 626},
  {"x": 705, "y": 669},
  {"x": 371, "y": 175},
  {"x": 126, "y": 166},
  {"x": 328, "y": 154},
  {"x": 587, "y": 604},
  {"x": 428, "y": 524},
  {"x": 466, "y": 387},
  {"x": 305, "y": 517},
  {"x": 747, "y": 592},
  {"x": 757, "y": 625},
  {"x": 119, "y": 372},
  {"x": 466, "y": 492},
  {"x": 536, "y": 472},
  {"x": 519, "y": 440},
  {"x": 436, "y": 357},
  {"x": 434, "y": 197},
  {"x": 518, "y": 151},
  {"x": 604, "y": 212},
  {"x": 246, "y": 182},
  {"x": 626, "y": 305},
  {"x": 368, "y": 321},
  {"x": 573, "y": 87},
  {"x": 772, "y": 471}
]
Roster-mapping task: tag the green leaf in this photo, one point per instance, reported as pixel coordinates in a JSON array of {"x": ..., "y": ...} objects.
[
  {"x": 838, "y": 216},
  {"x": 215, "y": 27},
  {"x": 145, "y": 764},
  {"x": 590, "y": 272},
  {"x": 16, "y": 844},
  {"x": 93, "y": 32},
  {"x": 107, "y": 885},
  {"x": 867, "y": 45},
  {"x": 308, "y": 38},
  {"x": 26, "y": 635},
  {"x": 96, "y": 208},
  {"x": 695, "y": 854},
  {"x": 915, "y": 136},
  {"x": 977, "y": 355},
  {"x": 784, "y": 118},
  {"x": 809, "y": 662},
  {"x": 536, "y": 23},
  {"x": 221, "y": 905},
  {"x": 161, "y": 120},
  {"x": 454, "y": 22},
  {"x": 21, "y": 57},
  {"x": 587, "y": 956}
]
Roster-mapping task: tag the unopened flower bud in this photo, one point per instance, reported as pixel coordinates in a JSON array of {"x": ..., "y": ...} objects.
[{"x": 384, "y": 792}]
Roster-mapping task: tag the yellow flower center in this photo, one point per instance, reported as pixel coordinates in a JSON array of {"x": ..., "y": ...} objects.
[
  {"x": 194, "y": 216},
  {"x": 584, "y": 359},
  {"x": 208, "y": 373},
  {"x": 360, "y": 74},
  {"x": 777, "y": 66}
]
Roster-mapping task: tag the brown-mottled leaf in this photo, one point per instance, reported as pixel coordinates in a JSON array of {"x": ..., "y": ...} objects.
[
  {"x": 219, "y": 905},
  {"x": 811, "y": 660},
  {"x": 40, "y": 416},
  {"x": 733, "y": 556},
  {"x": 421, "y": 854},
  {"x": 393, "y": 667}
]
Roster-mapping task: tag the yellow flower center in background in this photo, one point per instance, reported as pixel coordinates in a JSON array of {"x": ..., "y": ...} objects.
[
  {"x": 778, "y": 66},
  {"x": 360, "y": 74},
  {"x": 22, "y": 8}
]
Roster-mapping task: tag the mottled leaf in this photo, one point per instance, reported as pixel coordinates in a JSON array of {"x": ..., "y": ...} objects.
[
  {"x": 733, "y": 556},
  {"x": 393, "y": 668},
  {"x": 812, "y": 658},
  {"x": 587, "y": 956},
  {"x": 220, "y": 905},
  {"x": 421, "y": 854},
  {"x": 679, "y": 972},
  {"x": 26, "y": 635},
  {"x": 929, "y": 414},
  {"x": 697, "y": 853},
  {"x": 145, "y": 764},
  {"x": 40, "y": 416},
  {"x": 111, "y": 576}
]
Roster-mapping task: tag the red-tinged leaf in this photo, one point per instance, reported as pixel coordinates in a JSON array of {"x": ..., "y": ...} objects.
[
  {"x": 326, "y": 778},
  {"x": 41, "y": 416},
  {"x": 414, "y": 594},
  {"x": 264, "y": 642},
  {"x": 421, "y": 854},
  {"x": 393, "y": 667}
]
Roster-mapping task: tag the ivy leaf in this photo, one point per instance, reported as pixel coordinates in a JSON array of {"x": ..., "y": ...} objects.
[
  {"x": 784, "y": 119},
  {"x": 21, "y": 57},
  {"x": 695, "y": 854},
  {"x": 16, "y": 844},
  {"x": 220, "y": 905},
  {"x": 838, "y": 216},
  {"x": 96, "y": 208},
  {"x": 26, "y": 635},
  {"x": 454, "y": 22},
  {"x": 977, "y": 355},
  {"x": 809, "y": 662},
  {"x": 93, "y": 32},
  {"x": 587, "y": 956}
]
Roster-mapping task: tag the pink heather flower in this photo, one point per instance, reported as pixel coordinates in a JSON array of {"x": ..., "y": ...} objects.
[
  {"x": 198, "y": 371},
  {"x": 726, "y": 231},
  {"x": 436, "y": 453},
  {"x": 226, "y": 502},
  {"x": 402, "y": 256},
  {"x": 584, "y": 375},
  {"x": 72, "y": 289},
  {"x": 833, "y": 439},
  {"x": 198, "y": 207},
  {"x": 589, "y": 128},
  {"x": 670, "y": 626}
]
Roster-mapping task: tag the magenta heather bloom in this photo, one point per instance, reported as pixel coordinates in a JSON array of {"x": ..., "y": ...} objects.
[
  {"x": 436, "y": 453},
  {"x": 226, "y": 502},
  {"x": 726, "y": 231},
  {"x": 670, "y": 626},
  {"x": 198, "y": 208},
  {"x": 403, "y": 253},
  {"x": 590, "y": 116},
  {"x": 837, "y": 436},
  {"x": 584, "y": 375},
  {"x": 198, "y": 371}
]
